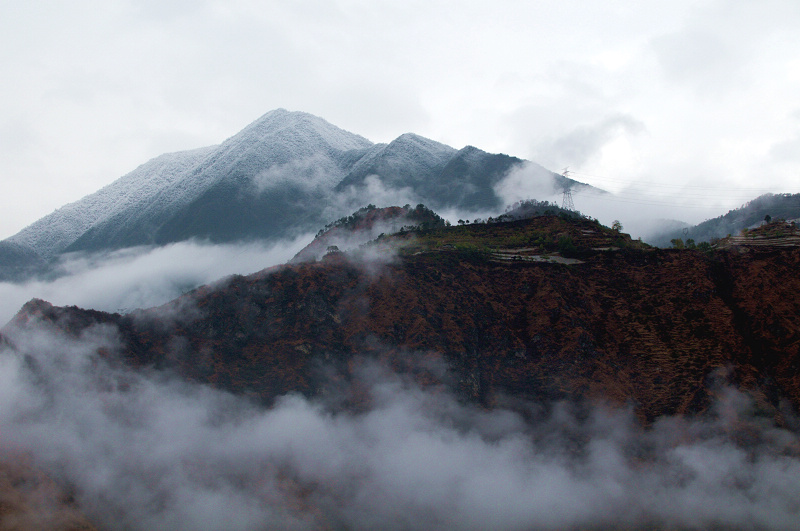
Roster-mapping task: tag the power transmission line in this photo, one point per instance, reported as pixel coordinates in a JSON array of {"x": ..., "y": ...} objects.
[
  {"x": 676, "y": 186},
  {"x": 662, "y": 193}
]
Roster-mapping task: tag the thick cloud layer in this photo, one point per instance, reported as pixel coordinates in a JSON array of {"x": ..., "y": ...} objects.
[{"x": 148, "y": 451}]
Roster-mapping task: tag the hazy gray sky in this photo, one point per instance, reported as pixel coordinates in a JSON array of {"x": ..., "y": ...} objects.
[{"x": 700, "y": 100}]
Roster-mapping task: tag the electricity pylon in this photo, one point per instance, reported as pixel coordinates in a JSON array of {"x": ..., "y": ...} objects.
[{"x": 566, "y": 200}]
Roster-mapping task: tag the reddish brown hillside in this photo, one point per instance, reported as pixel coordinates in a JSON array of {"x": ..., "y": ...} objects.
[
  {"x": 31, "y": 500},
  {"x": 659, "y": 329}
]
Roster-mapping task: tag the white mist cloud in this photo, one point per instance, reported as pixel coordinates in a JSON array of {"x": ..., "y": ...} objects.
[
  {"x": 142, "y": 277},
  {"x": 142, "y": 450},
  {"x": 645, "y": 209},
  {"x": 348, "y": 241},
  {"x": 372, "y": 191},
  {"x": 527, "y": 181},
  {"x": 579, "y": 145},
  {"x": 312, "y": 173}
]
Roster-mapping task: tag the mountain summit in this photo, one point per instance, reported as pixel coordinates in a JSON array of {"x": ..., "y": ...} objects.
[{"x": 284, "y": 174}]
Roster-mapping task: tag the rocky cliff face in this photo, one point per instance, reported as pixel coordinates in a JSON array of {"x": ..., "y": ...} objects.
[{"x": 661, "y": 330}]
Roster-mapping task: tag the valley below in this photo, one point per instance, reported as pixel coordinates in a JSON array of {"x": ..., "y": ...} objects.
[{"x": 550, "y": 361}]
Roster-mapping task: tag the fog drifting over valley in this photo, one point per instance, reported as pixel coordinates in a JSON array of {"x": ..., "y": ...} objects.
[
  {"x": 143, "y": 450},
  {"x": 142, "y": 277}
]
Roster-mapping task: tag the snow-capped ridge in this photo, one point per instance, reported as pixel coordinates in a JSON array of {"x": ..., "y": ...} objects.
[
  {"x": 420, "y": 142},
  {"x": 278, "y": 121},
  {"x": 419, "y": 152},
  {"x": 53, "y": 233},
  {"x": 284, "y": 173}
]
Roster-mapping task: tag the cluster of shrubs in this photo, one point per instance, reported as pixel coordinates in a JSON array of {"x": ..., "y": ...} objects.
[
  {"x": 678, "y": 243},
  {"x": 421, "y": 218},
  {"x": 526, "y": 209}
]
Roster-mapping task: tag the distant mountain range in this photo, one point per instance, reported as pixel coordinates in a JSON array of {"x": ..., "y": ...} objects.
[
  {"x": 748, "y": 216},
  {"x": 284, "y": 174}
]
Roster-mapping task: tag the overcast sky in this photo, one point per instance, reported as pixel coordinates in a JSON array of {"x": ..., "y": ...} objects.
[{"x": 698, "y": 99}]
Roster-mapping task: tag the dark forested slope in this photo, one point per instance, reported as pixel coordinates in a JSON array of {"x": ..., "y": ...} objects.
[{"x": 513, "y": 318}]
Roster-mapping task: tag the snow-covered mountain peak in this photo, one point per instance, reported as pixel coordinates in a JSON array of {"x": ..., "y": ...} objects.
[
  {"x": 281, "y": 147},
  {"x": 132, "y": 192},
  {"x": 294, "y": 127},
  {"x": 418, "y": 152},
  {"x": 471, "y": 155},
  {"x": 420, "y": 142},
  {"x": 471, "y": 151},
  {"x": 272, "y": 179}
]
